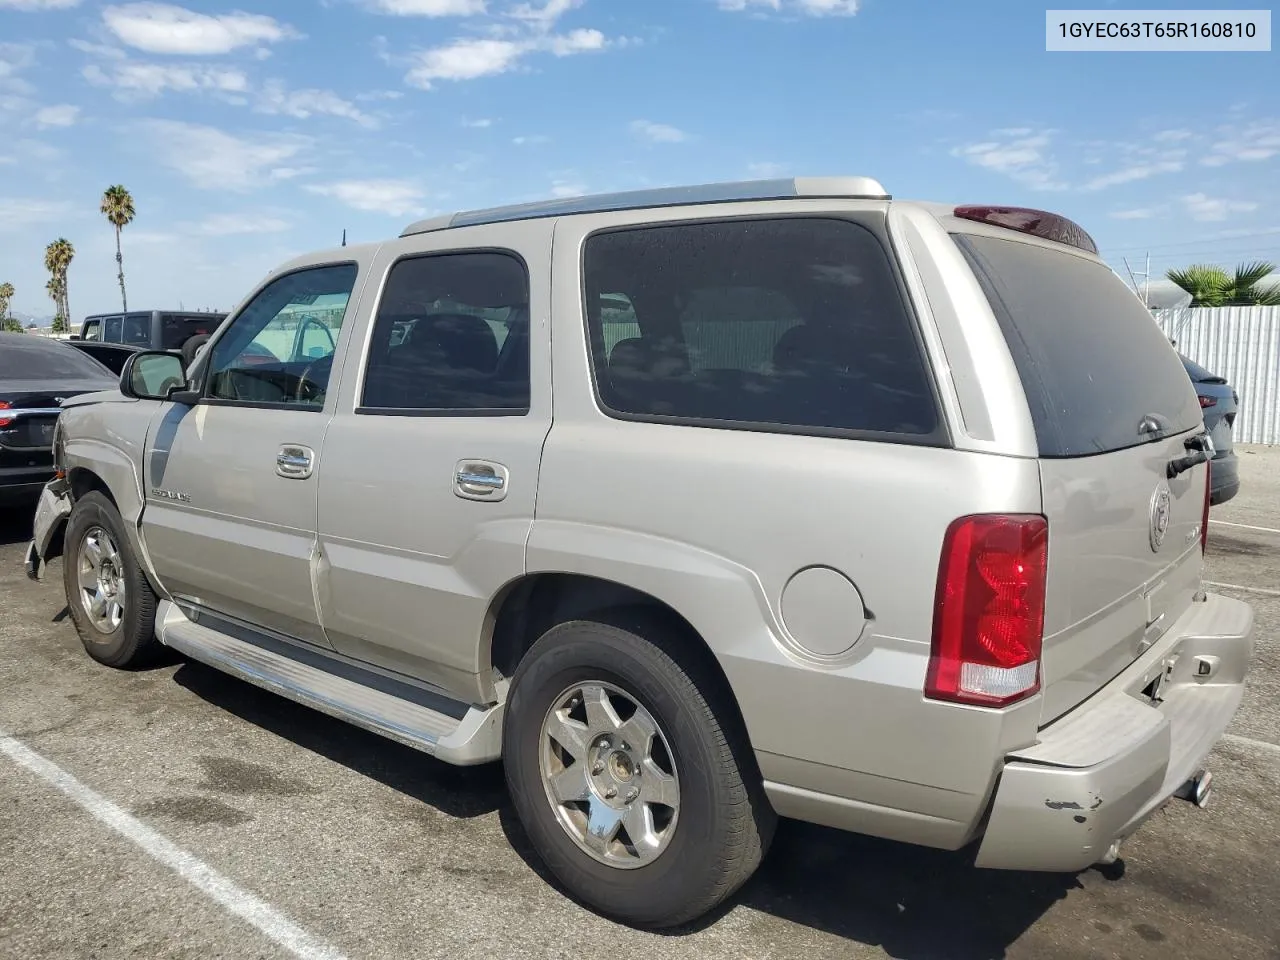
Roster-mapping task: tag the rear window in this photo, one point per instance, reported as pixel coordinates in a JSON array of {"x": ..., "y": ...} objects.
[
  {"x": 47, "y": 360},
  {"x": 176, "y": 330},
  {"x": 786, "y": 324},
  {"x": 1097, "y": 371}
]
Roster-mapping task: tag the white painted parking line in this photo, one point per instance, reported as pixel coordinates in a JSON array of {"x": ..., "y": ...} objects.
[
  {"x": 1245, "y": 526},
  {"x": 1262, "y": 745},
  {"x": 199, "y": 874},
  {"x": 1237, "y": 586}
]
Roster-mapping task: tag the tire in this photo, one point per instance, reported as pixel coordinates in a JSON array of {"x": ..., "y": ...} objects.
[
  {"x": 118, "y": 631},
  {"x": 702, "y": 848}
]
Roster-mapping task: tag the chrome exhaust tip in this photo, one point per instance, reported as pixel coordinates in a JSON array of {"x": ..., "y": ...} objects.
[{"x": 1197, "y": 790}]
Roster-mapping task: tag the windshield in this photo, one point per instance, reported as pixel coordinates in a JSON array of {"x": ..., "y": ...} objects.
[
  {"x": 1098, "y": 373},
  {"x": 47, "y": 360}
]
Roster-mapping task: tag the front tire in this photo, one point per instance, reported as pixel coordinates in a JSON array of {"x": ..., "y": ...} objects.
[
  {"x": 110, "y": 599},
  {"x": 630, "y": 774}
]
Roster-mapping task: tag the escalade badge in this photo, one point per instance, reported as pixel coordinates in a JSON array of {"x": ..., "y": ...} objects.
[{"x": 1160, "y": 512}]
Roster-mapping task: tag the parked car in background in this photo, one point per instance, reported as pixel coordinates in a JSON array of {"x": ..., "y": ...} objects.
[
  {"x": 110, "y": 355},
  {"x": 36, "y": 375},
  {"x": 1220, "y": 403},
  {"x": 149, "y": 329},
  {"x": 879, "y": 514}
]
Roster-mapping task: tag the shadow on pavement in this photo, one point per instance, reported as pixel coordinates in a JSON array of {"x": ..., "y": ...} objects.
[
  {"x": 15, "y": 523},
  {"x": 912, "y": 902},
  {"x": 456, "y": 791}
]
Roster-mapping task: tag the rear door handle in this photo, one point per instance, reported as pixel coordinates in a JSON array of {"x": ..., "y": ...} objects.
[
  {"x": 295, "y": 462},
  {"x": 480, "y": 480}
]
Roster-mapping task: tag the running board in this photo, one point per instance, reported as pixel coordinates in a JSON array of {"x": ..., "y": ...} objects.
[{"x": 475, "y": 738}]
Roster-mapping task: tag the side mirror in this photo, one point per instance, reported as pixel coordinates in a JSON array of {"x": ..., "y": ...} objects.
[{"x": 152, "y": 375}]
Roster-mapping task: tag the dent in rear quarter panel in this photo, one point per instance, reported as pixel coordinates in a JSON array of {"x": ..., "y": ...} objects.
[{"x": 716, "y": 522}]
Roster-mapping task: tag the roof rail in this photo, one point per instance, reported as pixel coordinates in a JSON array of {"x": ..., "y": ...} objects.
[{"x": 862, "y": 188}]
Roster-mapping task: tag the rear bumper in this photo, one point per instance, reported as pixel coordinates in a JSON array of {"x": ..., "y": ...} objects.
[
  {"x": 1225, "y": 479},
  {"x": 23, "y": 484},
  {"x": 1099, "y": 772}
]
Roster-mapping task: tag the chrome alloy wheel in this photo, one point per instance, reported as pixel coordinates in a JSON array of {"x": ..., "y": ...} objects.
[
  {"x": 100, "y": 577},
  {"x": 609, "y": 774}
]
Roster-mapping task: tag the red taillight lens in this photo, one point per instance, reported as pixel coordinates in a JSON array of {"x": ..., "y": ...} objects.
[
  {"x": 988, "y": 621},
  {"x": 5, "y": 421},
  {"x": 1207, "y": 402},
  {"x": 1038, "y": 223},
  {"x": 1208, "y": 491}
]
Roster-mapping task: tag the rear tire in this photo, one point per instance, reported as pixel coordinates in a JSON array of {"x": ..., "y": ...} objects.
[
  {"x": 110, "y": 599},
  {"x": 668, "y": 738}
]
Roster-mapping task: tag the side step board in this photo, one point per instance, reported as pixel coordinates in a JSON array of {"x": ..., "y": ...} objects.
[{"x": 476, "y": 738}]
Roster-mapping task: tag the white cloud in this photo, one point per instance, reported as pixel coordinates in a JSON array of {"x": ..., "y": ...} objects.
[
  {"x": 544, "y": 16},
  {"x": 1138, "y": 213},
  {"x": 97, "y": 49},
  {"x": 1250, "y": 142},
  {"x": 808, "y": 8},
  {"x": 133, "y": 79},
  {"x": 1137, "y": 171},
  {"x": 530, "y": 140},
  {"x": 1172, "y": 136},
  {"x": 657, "y": 132},
  {"x": 481, "y": 124},
  {"x": 213, "y": 159},
  {"x": 430, "y": 8},
  {"x": 566, "y": 188},
  {"x": 395, "y": 198},
  {"x": 237, "y": 224},
  {"x": 1203, "y": 207},
  {"x": 276, "y": 99},
  {"x": 61, "y": 115},
  {"x": 32, "y": 5},
  {"x": 18, "y": 213},
  {"x": 465, "y": 60},
  {"x": 165, "y": 28},
  {"x": 1021, "y": 155},
  {"x": 575, "y": 41},
  {"x": 14, "y": 58}
]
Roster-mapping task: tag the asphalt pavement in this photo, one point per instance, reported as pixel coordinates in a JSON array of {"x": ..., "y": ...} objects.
[{"x": 179, "y": 813}]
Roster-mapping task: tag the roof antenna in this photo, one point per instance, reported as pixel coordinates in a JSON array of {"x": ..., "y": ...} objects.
[{"x": 344, "y": 236}]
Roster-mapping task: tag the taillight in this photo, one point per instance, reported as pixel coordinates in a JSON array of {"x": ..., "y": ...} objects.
[
  {"x": 5, "y": 421},
  {"x": 1204, "y": 519},
  {"x": 988, "y": 620},
  {"x": 1207, "y": 402}
]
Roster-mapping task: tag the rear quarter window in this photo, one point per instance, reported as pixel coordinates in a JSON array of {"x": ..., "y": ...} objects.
[
  {"x": 1093, "y": 363},
  {"x": 787, "y": 324}
]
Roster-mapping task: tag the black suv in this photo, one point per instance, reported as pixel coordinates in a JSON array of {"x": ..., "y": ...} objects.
[{"x": 149, "y": 329}]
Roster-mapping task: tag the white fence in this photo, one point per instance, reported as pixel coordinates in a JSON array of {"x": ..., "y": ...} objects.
[{"x": 1243, "y": 345}]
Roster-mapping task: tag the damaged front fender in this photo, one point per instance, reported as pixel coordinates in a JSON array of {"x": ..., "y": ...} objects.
[{"x": 46, "y": 535}]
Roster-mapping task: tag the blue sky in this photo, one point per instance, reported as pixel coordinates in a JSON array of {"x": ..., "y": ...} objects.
[{"x": 253, "y": 130}]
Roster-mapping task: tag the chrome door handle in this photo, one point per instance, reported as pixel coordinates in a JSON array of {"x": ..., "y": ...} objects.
[
  {"x": 294, "y": 462},
  {"x": 480, "y": 480}
]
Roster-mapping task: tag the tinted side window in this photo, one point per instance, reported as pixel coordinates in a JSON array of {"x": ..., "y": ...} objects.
[
  {"x": 795, "y": 323},
  {"x": 451, "y": 335},
  {"x": 137, "y": 330},
  {"x": 111, "y": 329},
  {"x": 92, "y": 330},
  {"x": 1092, "y": 361},
  {"x": 279, "y": 348}
]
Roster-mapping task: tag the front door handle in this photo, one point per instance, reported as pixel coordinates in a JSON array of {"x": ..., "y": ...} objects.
[
  {"x": 295, "y": 462},
  {"x": 480, "y": 480}
]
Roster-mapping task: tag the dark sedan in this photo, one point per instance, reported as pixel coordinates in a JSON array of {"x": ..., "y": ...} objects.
[
  {"x": 1220, "y": 404},
  {"x": 36, "y": 375}
]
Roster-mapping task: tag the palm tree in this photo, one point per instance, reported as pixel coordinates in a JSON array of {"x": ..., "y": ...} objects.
[
  {"x": 1214, "y": 287},
  {"x": 117, "y": 207},
  {"x": 57, "y": 260},
  {"x": 56, "y": 290},
  {"x": 6, "y": 321}
]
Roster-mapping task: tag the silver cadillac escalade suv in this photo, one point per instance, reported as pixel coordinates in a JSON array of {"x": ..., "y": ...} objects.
[{"x": 695, "y": 507}]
